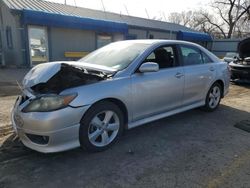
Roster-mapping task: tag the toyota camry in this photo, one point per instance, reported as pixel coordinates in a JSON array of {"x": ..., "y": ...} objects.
[{"x": 90, "y": 102}]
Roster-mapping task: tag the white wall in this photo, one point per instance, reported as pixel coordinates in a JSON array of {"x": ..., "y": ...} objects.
[
  {"x": 72, "y": 40},
  {"x": 14, "y": 55},
  {"x": 141, "y": 34},
  {"x": 118, "y": 37},
  {"x": 160, "y": 35}
]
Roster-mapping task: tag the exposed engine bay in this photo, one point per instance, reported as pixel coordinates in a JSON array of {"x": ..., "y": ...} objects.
[
  {"x": 244, "y": 52},
  {"x": 240, "y": 67},
  {"x": 245, "y": 61},
  {"x": 67, "y": 77}
]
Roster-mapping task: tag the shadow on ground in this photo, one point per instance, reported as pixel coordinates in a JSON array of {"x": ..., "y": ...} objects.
[
  {"x": 184, "y": 150},
  {"x": 245, "y": 84}
]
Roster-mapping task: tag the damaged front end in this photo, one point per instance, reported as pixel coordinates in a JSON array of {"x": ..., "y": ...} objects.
[
  {"x": 67, "y": 77},
  {"x": 240, "y": 67},
  {"x": 44, "y": 83}
]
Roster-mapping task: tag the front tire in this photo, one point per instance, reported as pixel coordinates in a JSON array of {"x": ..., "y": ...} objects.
[
  {"x": 101, "y": 126},
  {"x": 213, "y": 98}
]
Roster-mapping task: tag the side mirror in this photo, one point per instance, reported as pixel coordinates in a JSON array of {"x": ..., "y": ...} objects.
[{"x": 149, "y": 67}]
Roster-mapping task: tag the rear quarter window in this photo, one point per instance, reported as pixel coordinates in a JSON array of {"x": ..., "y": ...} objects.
[
  {"x": 206, "y": 58},
  {"x": 191, "y": 55}
]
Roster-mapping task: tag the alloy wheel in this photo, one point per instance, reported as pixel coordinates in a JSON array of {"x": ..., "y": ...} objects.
[
  {"x": 103, "y": 128},
  {"x": 214, "y": 97}
]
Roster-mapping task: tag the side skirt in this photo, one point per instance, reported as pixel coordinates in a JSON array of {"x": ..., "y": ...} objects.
[{"x": 163, "y": 115}]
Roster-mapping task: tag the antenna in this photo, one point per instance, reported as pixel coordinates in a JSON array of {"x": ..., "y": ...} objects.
[{"x": 65, "y": 2}]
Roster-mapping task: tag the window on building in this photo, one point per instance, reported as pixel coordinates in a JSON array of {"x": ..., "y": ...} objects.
[
  {"x": 191, "y": 56},
  {"x": 131, "y": 37},
  {"x": 38, "y": 44},
  {"x": 151, "y": 36},
  {"x": 9, "y": 37},
  {"x": 103, "y": 40}
]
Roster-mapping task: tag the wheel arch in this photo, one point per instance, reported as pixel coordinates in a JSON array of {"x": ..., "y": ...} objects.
[
  {"x": 221, "y": 83},
  {"x": 120, "y": 104}
]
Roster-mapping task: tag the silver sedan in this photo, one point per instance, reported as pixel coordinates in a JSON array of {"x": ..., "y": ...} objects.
[{"x": 89, "y": 103}]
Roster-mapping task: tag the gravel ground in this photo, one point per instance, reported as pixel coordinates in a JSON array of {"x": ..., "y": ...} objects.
[
  {"x": 5, "y": 110},
  {"x": 191, "y": 149}
]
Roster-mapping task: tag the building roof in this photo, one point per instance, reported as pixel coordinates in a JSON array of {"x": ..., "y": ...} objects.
[{"x": 67, "y": 10}]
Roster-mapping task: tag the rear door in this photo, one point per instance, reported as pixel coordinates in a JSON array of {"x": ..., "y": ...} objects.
[
  {"x": 199, "y": 72},
  {"x": 157, "y": 92}
]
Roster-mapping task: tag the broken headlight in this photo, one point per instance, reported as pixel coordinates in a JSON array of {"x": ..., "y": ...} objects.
[{"x": 49, "y": 103}]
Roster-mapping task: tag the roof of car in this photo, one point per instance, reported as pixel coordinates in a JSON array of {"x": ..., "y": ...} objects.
[{"x": 155, "y": 41}]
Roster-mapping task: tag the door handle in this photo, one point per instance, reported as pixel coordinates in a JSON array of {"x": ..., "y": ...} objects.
[
  {"x": 179, "y": 75},
  {"x": 212, "y": 69}
]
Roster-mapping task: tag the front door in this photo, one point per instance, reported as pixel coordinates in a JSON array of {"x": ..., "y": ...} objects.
[
  {"x": 38, "y": 45},
  {"x": 158, "y": 92}
]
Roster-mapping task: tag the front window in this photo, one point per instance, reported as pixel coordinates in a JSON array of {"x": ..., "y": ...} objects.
[
  {"x": 164, "y": 56},
  {"x": 116, "y": 55}
]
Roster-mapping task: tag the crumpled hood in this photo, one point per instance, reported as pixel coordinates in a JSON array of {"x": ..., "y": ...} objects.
[{"x": 43, "y": 72}]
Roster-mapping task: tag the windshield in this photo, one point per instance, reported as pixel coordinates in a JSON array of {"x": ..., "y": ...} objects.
[{"x": 116, "y": 55}]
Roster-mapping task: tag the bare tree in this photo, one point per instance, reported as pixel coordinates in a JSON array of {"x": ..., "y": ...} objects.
[
  {"x": 182, "y": 18},
  {"x": 230, "y": 13},
  {"x": 199, "y": 22},
  {"x": 194, "y": 20},
  {"x": 174, "y": 17},
  {"x": 230, "y": 17},
  {"x": 217, "y": 26}
]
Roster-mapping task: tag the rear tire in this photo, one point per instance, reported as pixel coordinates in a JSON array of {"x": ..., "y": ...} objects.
[
  {"x": 213, "y": 98},
  {"x": 101, "y": 126}
]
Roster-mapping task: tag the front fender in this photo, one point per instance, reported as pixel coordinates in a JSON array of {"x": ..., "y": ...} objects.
[{"x": 117, "y": 88}]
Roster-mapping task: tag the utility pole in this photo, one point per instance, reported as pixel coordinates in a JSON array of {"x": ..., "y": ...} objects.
[
  {"x": 164, "y": 16},
  {"x": 147, "y": 13},
  {"x": 126, "y": 8},
  {"x": 103, "y": 6}
]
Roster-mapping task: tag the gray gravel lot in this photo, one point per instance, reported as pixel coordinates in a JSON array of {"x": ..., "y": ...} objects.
[{"x": 191, "y": 149}]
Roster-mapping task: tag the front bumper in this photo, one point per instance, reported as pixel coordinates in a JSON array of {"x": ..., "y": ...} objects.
[
  {"x": 242, "y": 73},
  {"x": 59, "y": 128}
]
